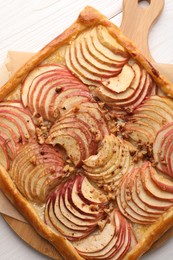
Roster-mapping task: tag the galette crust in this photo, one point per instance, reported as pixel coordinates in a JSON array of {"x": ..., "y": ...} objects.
[{"x": 88, "y": 18}]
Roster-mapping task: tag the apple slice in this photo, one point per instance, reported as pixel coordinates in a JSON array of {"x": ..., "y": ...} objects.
[
  {"x": 98, "y": 56},
  {"x": 90, "y": 69},
  {"x": 163, "y": 115},
  {"x": 109, "y": 42},
  {"x": 107, "y": 169},
  {"x": 28, "y": 80},
  {"x": 113, "y": 242},
  {"x": 160, "y": 147},
  {"x": 122, "y": 82},
  {"x": 162, "y": 182},
  {"x": 88, "y": 66},
  {"x": 36, "y": 170},
  {"x": 153, "y": 189},
  {"x": 49, "y": 87},
  {"x": 86, "y": 208},
  {"x": 139, "y": 197},
  {"x": 79, "y": 131},
  {"x": 91, "y": 59},
  {"x": 114, "y": 56}
]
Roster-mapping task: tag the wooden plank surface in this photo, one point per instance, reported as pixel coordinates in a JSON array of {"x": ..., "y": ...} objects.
[{"x": 28, "y": 26}]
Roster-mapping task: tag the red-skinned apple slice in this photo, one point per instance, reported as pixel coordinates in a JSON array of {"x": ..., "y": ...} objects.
[
  {"x": 160, "y": 147},
  {"x": 36, "y": 170},
  {"x": 130, "y": 210},
  {"x": 134, "y": 196},
  {"x": 152, "y": 188},
  {"x": 75, "y": 228},
  {"x": 147, "y": 198},
  {"x": 162, "y": 182},
  {"x": 110, "y": 243},
  {"x": 164, "y": 110},
  {"x": 139, "y": 197},
  {"x": 5, "y": 134},
  {"x": 28, "y": 80}
]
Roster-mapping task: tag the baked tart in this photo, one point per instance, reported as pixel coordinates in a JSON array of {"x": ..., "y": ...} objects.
[{"x": 86, "y": 143}]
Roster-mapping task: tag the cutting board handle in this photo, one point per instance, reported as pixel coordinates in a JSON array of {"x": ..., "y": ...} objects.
[{"x": 137, "y": 21}]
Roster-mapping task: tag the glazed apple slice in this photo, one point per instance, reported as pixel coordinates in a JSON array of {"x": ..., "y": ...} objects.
[
  {"x": 36, "y": 170},
  {"x": 128, "y": 209},
  {"x": 73, "y": 139},
  {"x": 140, "y": 87},
  {"x": 71, "y": 207}
]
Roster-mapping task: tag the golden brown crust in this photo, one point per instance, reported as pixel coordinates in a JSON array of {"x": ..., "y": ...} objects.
[{"x": 88, "y": 18}]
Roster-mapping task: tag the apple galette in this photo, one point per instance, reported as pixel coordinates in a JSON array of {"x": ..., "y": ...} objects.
[{"x": 86, "y": 143}]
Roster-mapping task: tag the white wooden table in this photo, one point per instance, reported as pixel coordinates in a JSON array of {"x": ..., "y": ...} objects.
[{"x": 28, "y": 26}]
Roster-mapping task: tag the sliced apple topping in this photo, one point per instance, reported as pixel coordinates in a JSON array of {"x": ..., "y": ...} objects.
[
  {"x": 53, "y": 90},
  {"x": 75, "y": 208},
  {"x": 122, "y": 81},
  {"x": 143, "y": 195},
  {"x": 148, "y": 118},
  {"x": 16, "y": 128},
  {"x": 79, "y": 132},
  {"x": 112, "y": 242},
  {"x": 163, "y": 149},
  {"x": 127, "y": 90},
  {"x": 36, "y": 170},
  {"x": 92, "y": 57},
  {"x": 110, "y": 164}
]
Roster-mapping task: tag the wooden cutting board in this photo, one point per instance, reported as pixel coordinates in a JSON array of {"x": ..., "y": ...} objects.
[{"x": 136, "y": 24}]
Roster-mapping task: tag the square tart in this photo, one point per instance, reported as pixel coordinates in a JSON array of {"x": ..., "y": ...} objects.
[{"x": 86, "y": 143}]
